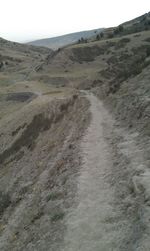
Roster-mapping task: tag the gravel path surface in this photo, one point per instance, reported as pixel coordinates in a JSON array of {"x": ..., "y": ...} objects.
[{"x": 95, "y": 224}]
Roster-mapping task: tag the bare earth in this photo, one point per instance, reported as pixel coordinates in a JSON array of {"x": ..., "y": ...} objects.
[
  {"x": 98, "y": 220},
  {"x": 95, "y": 224},
  {"x": 91, "y": 194}
]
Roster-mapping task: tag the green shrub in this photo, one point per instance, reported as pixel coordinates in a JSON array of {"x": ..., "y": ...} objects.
[
  {"x": 101, "y": 34},
  {"x": 119, "y": 29},
  {"x": 57, "y": 216},
  {"x": 53, "y": 196},
  {"x": 98, "y": 37}
]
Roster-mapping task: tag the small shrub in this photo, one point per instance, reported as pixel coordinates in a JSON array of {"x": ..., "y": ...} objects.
[
  {"x": 98, "y": 37},
  {"x": 101, "y": 34},
  {"x": 57, "y": 216},
  {"x": 82, "y": 40},
  {"x": 37, "y": 216},
  {"x": 119, "y": 29},
  {"x": 53, "y": 196}
]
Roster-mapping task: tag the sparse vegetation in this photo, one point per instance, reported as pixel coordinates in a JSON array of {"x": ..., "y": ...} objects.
[
  {"x": 101, "y": 34},
  {"x": 40, "y": 150},
  {"x": 98, "y": 37},
  {"x": 119, "y": 30},
  {"x": 53, "y": 196},
  {"x": 82, "y": 40},
  {"x": 57, "y": 216}
]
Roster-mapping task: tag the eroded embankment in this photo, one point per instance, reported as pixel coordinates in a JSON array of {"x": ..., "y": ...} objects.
[
  {"x": 38, "y": 185},
  {"x": 30, "y": 131}
]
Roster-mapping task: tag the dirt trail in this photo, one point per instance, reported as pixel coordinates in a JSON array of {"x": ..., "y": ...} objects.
[
  {"x": 94, "y": 224},
  {"x": 97, "y": 179}
]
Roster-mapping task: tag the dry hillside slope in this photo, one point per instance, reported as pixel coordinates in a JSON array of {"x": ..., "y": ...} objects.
[
  {"x": 61, "y": 41},
  {"x": 75, "y": 144}
]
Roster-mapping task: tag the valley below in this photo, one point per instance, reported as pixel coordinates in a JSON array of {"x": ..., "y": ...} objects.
[{"x": 75, "y": 144}]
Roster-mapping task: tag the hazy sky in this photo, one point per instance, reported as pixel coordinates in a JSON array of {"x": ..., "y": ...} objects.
[{"x": 25, "y": 20}]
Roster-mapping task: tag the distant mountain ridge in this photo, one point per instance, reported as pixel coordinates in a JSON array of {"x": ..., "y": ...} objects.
[{"x": 60, "y": 41}]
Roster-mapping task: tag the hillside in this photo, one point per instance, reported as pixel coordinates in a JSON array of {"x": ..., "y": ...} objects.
[
  {"x": 61, "y": 41},
  {"x": 18, "y": 59},
  {"x": 75, "y": 144},
  {"x": 136, "y": 25}
]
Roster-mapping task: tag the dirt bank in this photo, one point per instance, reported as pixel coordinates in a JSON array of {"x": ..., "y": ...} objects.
[{"x": 39, "y": 164}]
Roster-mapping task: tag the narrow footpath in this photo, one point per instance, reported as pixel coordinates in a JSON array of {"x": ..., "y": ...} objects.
[{"x": 94, "y": 223}]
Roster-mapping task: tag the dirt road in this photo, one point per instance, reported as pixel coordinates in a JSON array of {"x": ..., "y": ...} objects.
[{"x": 95, "y": 223}]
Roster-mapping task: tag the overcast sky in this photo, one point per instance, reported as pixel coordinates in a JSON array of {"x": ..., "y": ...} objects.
[{"x": 25, "y": 20}]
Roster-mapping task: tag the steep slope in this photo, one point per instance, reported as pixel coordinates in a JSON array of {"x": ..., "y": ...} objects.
[
  {"x": 40, "y": 127},
  {"x": 38, "y": 145}
]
